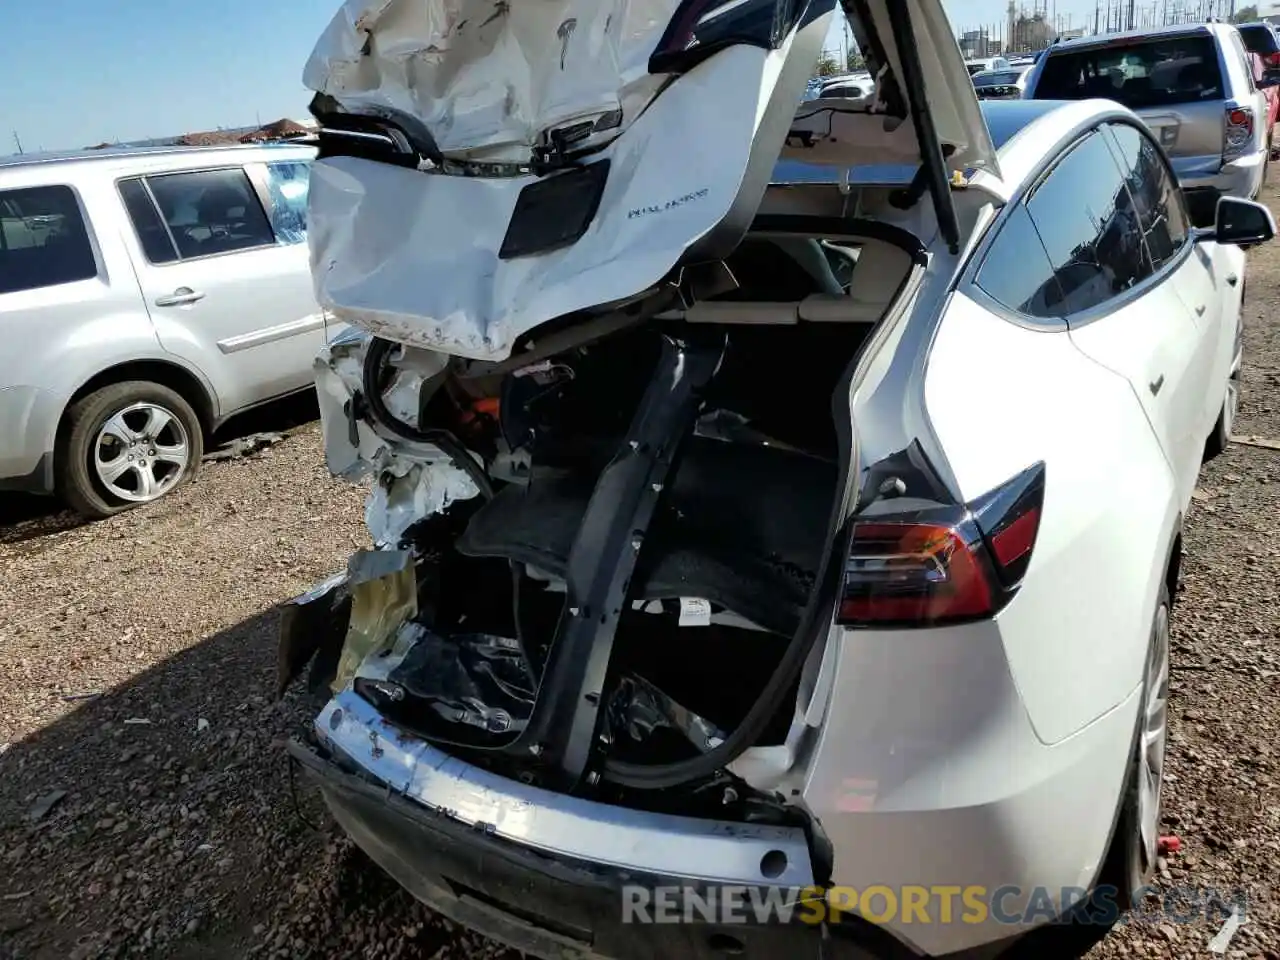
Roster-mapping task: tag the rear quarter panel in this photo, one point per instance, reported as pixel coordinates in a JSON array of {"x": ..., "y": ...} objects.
[{"x": 1001, "y": 397}]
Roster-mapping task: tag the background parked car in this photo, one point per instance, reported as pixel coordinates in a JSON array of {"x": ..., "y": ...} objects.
[
  {"x": 986, "y": 63},
  {"x": 1262, "y": 38},
  {"x": 1001, "y": 84},
  {"x": 853, "y": 86},
  {"x": 145, "y": 297},
  {"x": 1194, "y": 85}
]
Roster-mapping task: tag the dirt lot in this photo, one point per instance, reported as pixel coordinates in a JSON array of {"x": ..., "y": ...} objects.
[{"x": 146, "y": 808}]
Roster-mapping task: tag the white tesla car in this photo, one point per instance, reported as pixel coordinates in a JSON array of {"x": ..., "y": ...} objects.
[{"x": 773, "y": 508}]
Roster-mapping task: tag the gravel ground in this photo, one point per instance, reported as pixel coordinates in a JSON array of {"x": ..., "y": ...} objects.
[{"x": 146, "y": 808}]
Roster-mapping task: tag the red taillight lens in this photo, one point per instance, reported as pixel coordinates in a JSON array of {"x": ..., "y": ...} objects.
[
  {"x": 943, "y": 564},
  {"x": 1273, "y": 59},
  {"x": 919, "y": 573},
  {"x": 1239, "y": 130}
]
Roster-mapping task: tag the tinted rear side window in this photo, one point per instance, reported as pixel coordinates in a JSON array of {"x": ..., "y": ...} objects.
[
  {"x": 211, "y": 212},
  {"x": 43, "y": 239},
  {"x": 1148, "y": 73},
  {"x": 1016, "y": 271},
  {"x": 1159, "y": 204},
  {"x": 150, "y": 229},
  {"x": 1260, "y": 39},
  {"x": 1084, "y": 215}
]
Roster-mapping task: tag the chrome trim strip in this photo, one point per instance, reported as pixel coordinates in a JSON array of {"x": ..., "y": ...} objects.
[
  {"x": 556, "y": 823},
  {"x": 257, "y": 338}
]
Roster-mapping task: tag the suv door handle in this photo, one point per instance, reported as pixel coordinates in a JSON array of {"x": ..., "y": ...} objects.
[{"x": 179, "y": 297}]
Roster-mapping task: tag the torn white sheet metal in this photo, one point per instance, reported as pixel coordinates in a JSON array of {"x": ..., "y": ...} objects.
[
  {"x": 412, "y": 480},
  {"x": 412, "y": 256},
  {"x": 488, "y": 77},
  {"x": 423, "y": 490}
]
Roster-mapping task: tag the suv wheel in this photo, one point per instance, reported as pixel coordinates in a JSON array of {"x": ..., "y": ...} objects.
[{"x": 127, "y": 444}]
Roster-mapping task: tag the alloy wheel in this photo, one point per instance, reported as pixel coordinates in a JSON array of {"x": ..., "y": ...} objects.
[
  {"x": 141, "y": 452},
  {"x": 1155, "y": 727}
]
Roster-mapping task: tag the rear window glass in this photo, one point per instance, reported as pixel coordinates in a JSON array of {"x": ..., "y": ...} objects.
[
  {"x": 1004, "y": 78},
  {"x": 1260, "y": 38},
  {"x": 1149, "y": 73},
  {"x": 43, "y": 239}
]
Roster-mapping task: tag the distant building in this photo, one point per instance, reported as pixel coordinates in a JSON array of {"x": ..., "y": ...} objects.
[{"x": 976, "y": 43}]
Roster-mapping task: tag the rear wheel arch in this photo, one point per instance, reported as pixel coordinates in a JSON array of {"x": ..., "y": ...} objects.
[
  {"x": 182, "y": 381},
  {"x": 1173, "y": 565}
]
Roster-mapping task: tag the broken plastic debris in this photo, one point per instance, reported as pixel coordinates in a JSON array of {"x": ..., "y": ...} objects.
[
  {"x": 1222, "y": 939},
  {"x": 244, "y": 446},
  {"x": 202, "y": 725},
  {"x": 138, "y": 721},
  {"x": 40, "y": 809},
  {"x": 1169, "y": 844},
  {"x": 695, "y": 612}
]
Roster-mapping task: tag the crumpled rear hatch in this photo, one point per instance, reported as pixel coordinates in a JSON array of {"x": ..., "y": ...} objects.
[{"x": 488, "y": 166}]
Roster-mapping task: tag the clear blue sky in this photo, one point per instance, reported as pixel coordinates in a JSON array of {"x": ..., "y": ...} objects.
[{"x": 78, "y": 72}]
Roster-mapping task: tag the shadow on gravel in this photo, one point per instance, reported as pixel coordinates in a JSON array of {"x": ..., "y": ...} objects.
[
  {"x": 25, "y": 517},
  {"x": 160, "y": 819}
]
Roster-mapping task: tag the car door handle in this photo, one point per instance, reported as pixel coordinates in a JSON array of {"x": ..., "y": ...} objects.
[
  {"x": 1156, "y": 384},
  {"x": 179, "y": 297},
  {"x": 1232, "y": 279}
]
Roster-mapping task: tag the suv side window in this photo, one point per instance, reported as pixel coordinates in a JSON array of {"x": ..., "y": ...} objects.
[
  {"x": 1087, "y": 221},
  {"x": 43, "y": 239},
  {"x": 1155, "y": 193},
  {"x": 1016, "y": 271},
  {"x": 1245, "y": 58},
  {"x": 210, "y": 212},
  {"x": 287, "y": 183}
]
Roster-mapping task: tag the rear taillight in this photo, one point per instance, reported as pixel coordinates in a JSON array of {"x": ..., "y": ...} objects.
[
  {"x": 1239, "y": 129},
  {"x": 1272, "y": 59},
  {"x": 937, "y": 564}
]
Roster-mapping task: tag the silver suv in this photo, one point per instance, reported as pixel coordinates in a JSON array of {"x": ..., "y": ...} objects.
[
  {"x": 145, "y": 297},
  {"x": 1193, "y": 84}
]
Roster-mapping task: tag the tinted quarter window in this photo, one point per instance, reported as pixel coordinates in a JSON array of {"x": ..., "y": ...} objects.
[
  {"x": 152, "y": 234},
  {"x": 288, "y": 183},
  {"x": 43, "y": 239},
  {"x": 1016, "y": 270},
  {"x": 1260, "y": 38},
  {"x": 211, "y": 211},
  {"x": 1089, "y": 226},
  {"x": 1155, "y": 194},
  {"x": 1146, "y": 73}
]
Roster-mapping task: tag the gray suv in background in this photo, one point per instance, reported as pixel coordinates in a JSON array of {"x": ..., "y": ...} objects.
[
  {"x": 1195, "y": 87},
  {"x": 145, "y": 297}
]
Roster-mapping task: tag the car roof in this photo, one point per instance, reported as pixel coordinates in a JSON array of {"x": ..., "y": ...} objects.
[
  {"x": 1150, "y": 33},
  {"x": 128, "y": 156}
]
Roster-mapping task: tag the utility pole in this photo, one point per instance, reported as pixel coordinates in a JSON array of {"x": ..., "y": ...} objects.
[
  {"x": 1130, "y": 14},
  {"x": 18, "y": 141}
]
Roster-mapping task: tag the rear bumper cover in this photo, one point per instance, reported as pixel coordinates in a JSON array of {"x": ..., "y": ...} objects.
[
  {"x": 28, "y": 417},
  {"x": 552, "y": 906}
]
